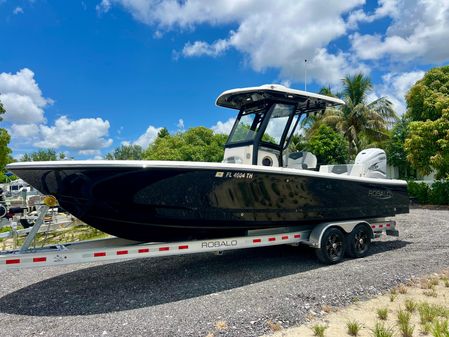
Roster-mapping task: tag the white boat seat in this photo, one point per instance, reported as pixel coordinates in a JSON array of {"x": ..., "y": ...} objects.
[{"x": 302, "y": 160}]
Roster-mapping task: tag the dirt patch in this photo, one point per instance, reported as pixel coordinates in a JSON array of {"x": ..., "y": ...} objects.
[{"x": 432, "y": 291}]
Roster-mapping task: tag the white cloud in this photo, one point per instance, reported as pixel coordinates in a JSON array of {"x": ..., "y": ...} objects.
[
  {"x": 148, "y": 137},
  {"x": 271, "y": 34},
  {"x": 395, "y": 86},
  {"x": 82, "y": 134},
  {"x": 18, "y": 10},
  {"x": 24, "y": 130},
  {"x": 418, "y": 33},
  {"x": 199, "y": 48},
  {"x": 386, "y": 8},
  {"x": 180, "y": 124},
  {"x": 22, "y": 97},
  {"x": 224, "y": 127}
]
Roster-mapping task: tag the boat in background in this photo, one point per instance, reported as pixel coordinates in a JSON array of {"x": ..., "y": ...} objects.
[{"x": 259, "y": 184}]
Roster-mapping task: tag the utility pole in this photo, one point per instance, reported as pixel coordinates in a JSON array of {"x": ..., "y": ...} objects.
[{"x": 305, "y": 75}]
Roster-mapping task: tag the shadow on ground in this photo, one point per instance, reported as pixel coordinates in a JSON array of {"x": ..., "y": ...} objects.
[{"x": 148, "y": 282}]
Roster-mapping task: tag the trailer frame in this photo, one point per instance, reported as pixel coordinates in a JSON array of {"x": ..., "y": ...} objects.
[{"x": 116, "y": 249}]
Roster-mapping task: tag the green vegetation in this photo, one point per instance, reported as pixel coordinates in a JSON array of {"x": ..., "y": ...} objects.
[
  {"x": 394, "y": 148},
  {"x": 362, "y": 124},
  {"x": 127, "y": 152},
  {"x": 410, "y": 305},
  {"x": 427, "y": 142},
  {"x": 437, "y": 194},
  {"x": 382, "y": 313},
  {"x": 405, "y": 328},
  {"x": 353, "y": 328},
  {"x": 5, "y": 151},
  {"x": 318, "y": 330},
  {"x": 380, "y": 330},
  {"x": 44, "y": 155},
  {"x": 196, "y": 144},
  {"x": 329, "y": 146},
  {"x": 440, "y": 328}
]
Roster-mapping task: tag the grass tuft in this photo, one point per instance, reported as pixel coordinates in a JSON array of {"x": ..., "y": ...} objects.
[
  {"x": 402, "y": 289},
  {"x": 440, "y": 328},
  {"x": 405, "y": 328},
  {"x": 431, "y": 293},
  {"x": 382, "y": 313},
  {"x": 221, "y": 325},
  {"x": 380, "y": 330},
  {"x": 318, "y": 330},
  {"x": 353, "y": 328},
  {"x": 393, "y": 297},
  {"x": 410, "y": 305},
  {"x": 426, "y": 328}
]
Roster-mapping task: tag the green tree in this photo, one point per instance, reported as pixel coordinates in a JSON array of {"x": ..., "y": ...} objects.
[
  {"x": 329, "y": 146},
  {"x": 5, "y": 151},
  {"x": 196, "y": 144},
  {"x": 427, "y": 143},
  {"x": 163, "y": 133},
  {"x": 360, "y": 122},
  {"x": 2, "y": 111},
  {"x": 43, "y": 155},
  {"x": 395, "y": 149},
  {"x": 126, "y": 152}
]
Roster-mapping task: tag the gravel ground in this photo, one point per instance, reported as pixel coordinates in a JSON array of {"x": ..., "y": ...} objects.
[{"x": 236, "y": 294}]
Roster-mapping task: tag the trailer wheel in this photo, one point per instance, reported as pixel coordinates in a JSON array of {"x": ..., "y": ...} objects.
[
  {"x": 359, "y": 241},
  {"x": 333, "y": 246}
]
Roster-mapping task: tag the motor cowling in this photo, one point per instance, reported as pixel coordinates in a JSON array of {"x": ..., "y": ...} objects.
[{"x": 373, "y": 163}]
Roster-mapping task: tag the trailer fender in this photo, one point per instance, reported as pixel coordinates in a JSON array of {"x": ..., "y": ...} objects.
[{"x": 318, "y": 231}]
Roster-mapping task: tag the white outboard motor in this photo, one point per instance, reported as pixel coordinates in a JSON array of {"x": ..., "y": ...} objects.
[{"x": 371, "y": 163}]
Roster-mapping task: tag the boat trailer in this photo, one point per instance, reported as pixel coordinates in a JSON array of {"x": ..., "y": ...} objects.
[{"x": 331, "y": 240}]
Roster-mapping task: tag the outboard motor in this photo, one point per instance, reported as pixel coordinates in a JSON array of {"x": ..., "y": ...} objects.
[{"x": 372, "y": 163}]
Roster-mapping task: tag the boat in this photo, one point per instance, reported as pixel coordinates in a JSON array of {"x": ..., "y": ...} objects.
[{"x": 259, "y": 184}]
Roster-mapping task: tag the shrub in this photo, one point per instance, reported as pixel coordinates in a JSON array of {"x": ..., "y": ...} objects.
[
  {"x": 438, "y": 194},
  {"x": 419, "y": 191}
]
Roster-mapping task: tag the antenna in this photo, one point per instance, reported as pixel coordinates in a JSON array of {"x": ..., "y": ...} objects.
[{"x": 305, "y": 75}]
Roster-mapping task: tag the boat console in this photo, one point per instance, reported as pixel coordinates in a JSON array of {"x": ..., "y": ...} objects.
[{"x": 268, "y": 116}]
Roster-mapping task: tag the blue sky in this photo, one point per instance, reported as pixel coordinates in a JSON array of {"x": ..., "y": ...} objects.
[{"x": 84, "y": 76}]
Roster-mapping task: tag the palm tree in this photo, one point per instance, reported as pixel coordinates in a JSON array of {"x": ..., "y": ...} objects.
[{"x": 363, "y": 124}]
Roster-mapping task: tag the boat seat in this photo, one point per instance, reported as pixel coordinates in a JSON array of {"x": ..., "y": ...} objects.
[{"x": 302, "y": 160}]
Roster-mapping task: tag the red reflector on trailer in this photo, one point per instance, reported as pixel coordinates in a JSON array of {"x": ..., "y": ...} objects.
[
  {"x": 271, "y": 239},
  {"x": 144, "y": 250},
  {"x": 183, "y": 247},
  {"x": 12, "y": 261},
  {"x": 285, "y": 237},
  {"x": 39, "y": 259},
  {"x": 122, "y": 252},
  {"x": 297, "y": 236},
  {"x": 164, "y": 249},
  {"x": 99, "y": 254},
  {"x": 380, "y": 226},
  {"x": 257, "y": 240},
  {"x": 373, "y": 226},
  {"x": 388, "y": 225}
]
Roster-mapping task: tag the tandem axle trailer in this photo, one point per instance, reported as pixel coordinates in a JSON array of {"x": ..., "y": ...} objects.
[{"x": 331, "y": 240}]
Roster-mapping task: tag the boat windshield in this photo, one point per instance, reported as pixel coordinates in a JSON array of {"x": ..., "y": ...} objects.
[
  {"x": 247, "y": 126},
  {"x": 277, "y": 124}
]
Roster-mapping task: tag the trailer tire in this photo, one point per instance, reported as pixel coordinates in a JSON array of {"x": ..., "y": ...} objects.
[
  {"x": 359, "y": 241},
  {"x": 333, "y": 246}
]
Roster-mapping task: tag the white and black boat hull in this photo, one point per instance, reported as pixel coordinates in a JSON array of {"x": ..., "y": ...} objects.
[{"x": 167, "y": 201}]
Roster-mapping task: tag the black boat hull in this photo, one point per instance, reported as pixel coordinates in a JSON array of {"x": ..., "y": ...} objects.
[{"x": 180, "y": 202}]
